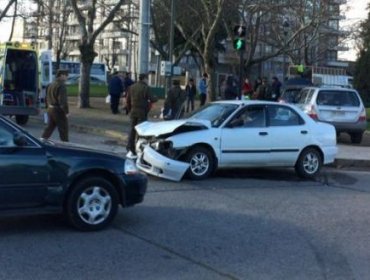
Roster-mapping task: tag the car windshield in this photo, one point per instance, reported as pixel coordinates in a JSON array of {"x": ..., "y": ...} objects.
[
  {"x": 338, "y": 98},
  {"x": 216, "y": 113}
]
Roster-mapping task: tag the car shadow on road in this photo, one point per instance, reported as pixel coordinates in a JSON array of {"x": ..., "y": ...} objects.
[{"x": 33, "y": 223}]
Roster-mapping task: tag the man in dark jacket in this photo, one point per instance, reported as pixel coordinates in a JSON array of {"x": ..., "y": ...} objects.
[
  {"x": 231, "y": 92},
  {"x": 264, "y": 90},
  {"x": 139, "y": 99},
  {"x": 115, "y": 89},
  {"x": 174, "y": 101},
  {"x": 191, "y": 92},
  {"x": 58, "y": 110},
  {"x": 275, "y": 89}
]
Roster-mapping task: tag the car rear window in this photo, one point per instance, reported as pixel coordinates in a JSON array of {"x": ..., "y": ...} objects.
[
  {"x": 291, "y": 95},
  {"x": 338, "y": 98},
  {"x": 305, "y": 96}
]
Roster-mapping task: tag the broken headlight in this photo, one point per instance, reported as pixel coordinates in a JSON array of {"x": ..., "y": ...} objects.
[{"x": 161, "y": 145}]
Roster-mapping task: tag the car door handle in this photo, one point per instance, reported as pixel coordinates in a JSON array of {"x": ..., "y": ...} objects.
[
  {"x": 304, "y": 131},
  {"x": 263, "y": 133}
]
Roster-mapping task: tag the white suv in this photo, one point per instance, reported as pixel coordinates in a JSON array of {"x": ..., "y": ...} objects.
[{"x": 341, "y": 107}]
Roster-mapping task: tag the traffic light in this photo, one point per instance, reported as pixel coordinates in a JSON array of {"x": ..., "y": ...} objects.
[
  {"x": 239, "y": 41},
  {"x": 239, "y": 44}
]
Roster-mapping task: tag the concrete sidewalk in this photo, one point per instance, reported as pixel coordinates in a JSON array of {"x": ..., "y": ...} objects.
[{"x": 100, "y": 121}]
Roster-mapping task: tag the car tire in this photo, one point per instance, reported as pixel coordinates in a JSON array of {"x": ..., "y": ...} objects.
[
  {"x": 356, "y": 138},
  {"x": 21, "y": 119},
  {"x": 201, "y": 162},
  {"x": 309, "y": 163},
  {"x": 92, "y": 204}
]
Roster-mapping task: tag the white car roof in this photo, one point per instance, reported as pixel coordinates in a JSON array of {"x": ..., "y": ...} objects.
[{"x": 245, "y": 102}]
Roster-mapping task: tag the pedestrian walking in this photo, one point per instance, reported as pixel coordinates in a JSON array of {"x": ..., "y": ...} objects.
[
  {"x": 139, "y": 100},
  {"x": 174, "y": 103},
  {"x": 57, "y": 104},
  {"x": 115, "y": 89},
  {"x": 203, "y": 88},
  {"x": 191, "y": 92}
]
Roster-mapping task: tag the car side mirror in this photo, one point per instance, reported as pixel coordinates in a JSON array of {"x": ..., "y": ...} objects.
[{"x": 20, "y": 139}]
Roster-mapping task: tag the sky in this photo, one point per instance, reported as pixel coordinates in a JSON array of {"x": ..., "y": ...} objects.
[{"x": 356, "y": 12}]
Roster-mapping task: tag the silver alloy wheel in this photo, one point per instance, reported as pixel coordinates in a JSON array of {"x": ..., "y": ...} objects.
[
  {"x": 94, "y": 205},
  {"x": 311, "y": 163},
  {"x": 199, "y": 164}
]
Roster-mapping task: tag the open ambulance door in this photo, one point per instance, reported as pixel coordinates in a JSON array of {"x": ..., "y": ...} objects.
[{"x": 46, "y": 73}]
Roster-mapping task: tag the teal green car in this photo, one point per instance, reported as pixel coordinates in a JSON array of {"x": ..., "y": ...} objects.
[{"x": 86, "y": 185}]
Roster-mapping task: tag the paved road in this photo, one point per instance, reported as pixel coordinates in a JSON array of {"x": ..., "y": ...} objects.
[{"x": 244, "y": 224}]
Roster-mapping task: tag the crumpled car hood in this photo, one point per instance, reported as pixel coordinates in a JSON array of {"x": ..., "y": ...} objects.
[{"x": 156, "y": 129}]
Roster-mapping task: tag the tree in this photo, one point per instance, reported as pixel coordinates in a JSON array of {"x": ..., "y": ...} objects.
[
  {"x": 4, "y": 13},
  {"x": 264, "y": 22},
  {"x": 361, "y": 75},
  {"x": 89, "y": 28},
  {"x": 52, "y": 16},
  {"x": 198, "y": 25},
  {"x": 202, "y": 29}
]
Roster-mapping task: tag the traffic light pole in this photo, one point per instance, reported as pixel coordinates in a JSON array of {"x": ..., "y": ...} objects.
[
  {"x": 241, "y": 73},
  {"x": 239, "y": 45}
]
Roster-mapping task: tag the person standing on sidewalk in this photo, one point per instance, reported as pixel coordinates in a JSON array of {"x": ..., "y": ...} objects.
[
  {"x": 58, "y": 110},
  {"x": 191, "y": 91},
  {"x": 139, "y": 100},
  {"x": 115, "y": 89},
  {"x": 127, "y": 82},
  {"x": 174, "y": 102},
  {"x": 203, "y": 88}
]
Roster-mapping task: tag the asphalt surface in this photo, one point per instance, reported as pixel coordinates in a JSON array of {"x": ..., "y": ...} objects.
[
  {"x": 222, "y": 228},
  {"x": 240, "y": 224}
]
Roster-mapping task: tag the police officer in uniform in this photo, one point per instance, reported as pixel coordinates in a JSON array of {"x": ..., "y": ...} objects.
[
  {"x": 57, "y": 101},
  {"x": 139, "y": 100}
]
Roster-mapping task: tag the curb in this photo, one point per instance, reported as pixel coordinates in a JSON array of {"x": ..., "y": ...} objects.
[
  {"x": 99, "y": 131},
  {"x": 359, "y": 164}
]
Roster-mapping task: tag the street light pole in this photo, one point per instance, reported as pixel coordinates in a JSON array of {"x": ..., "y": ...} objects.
[
  {"x": 285, "y": 29},
  {"x": 144, "y": 36}
]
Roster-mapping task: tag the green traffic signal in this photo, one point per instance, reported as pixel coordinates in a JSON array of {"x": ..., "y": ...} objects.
[{"x": 239, "y": 44}]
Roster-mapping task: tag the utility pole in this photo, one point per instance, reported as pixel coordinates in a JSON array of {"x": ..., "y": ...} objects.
[{"x": 144, "y": 23}]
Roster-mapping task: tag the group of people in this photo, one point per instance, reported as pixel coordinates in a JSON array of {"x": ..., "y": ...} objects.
[
  {"x": 117, "y": 88},
  {"x": 261, "y": 90},
  {"x": 139, "y": 99}
]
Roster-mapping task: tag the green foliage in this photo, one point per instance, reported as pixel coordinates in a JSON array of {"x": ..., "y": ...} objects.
[{"x": 95, "y": 90}]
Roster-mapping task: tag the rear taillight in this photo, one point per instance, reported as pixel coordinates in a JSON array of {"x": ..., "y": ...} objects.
[
  {"x": 362, "y": 117},
  {"x": 312, "y": 113}
]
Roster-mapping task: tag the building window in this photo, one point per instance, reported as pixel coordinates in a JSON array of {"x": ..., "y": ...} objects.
[{"x": 331, "y": 55}]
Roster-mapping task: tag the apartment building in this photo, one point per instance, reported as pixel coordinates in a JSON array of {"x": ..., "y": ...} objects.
[{"x": 116, "y": 46}]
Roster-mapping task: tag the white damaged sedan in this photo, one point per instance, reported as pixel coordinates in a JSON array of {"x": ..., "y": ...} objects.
[{"x": 229, "y": 134}]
